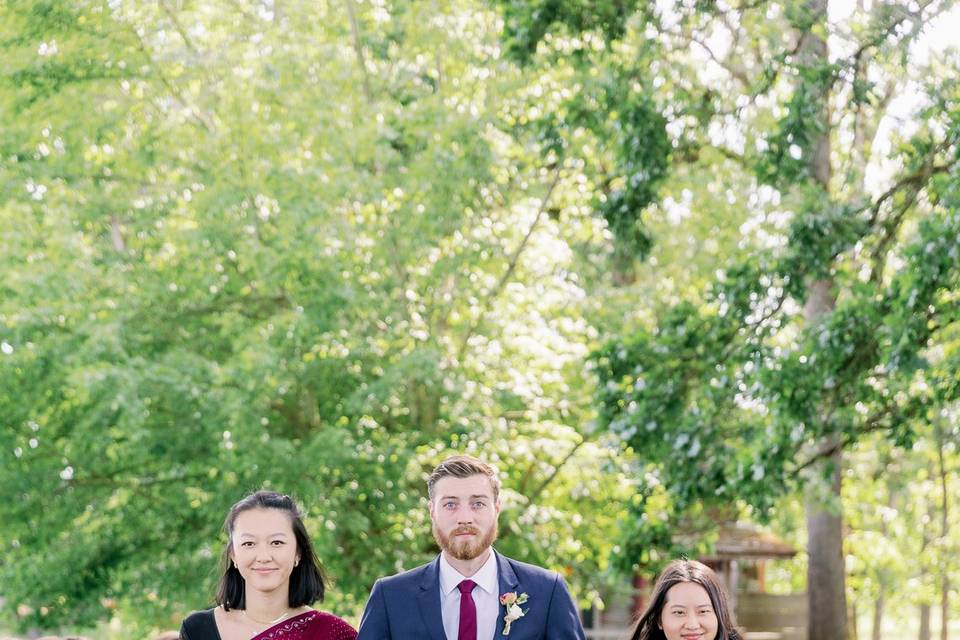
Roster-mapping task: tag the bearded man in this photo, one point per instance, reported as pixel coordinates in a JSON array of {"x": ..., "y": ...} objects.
[{"x": 469, "y": 592}]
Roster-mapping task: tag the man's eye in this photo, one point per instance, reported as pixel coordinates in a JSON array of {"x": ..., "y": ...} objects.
[
  {"x": 479, "y": 505},
  {"x": 449, "y": 505}
]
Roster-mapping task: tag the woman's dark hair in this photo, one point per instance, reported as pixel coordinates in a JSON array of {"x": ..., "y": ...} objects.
[
  {"x": 648, "y": 626},
  {"x": 306, "y": 580}
]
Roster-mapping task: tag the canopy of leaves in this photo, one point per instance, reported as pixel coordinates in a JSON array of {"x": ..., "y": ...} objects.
[
  {"x": 285, "y": 245},
  {"x": 726, "y": 391}
]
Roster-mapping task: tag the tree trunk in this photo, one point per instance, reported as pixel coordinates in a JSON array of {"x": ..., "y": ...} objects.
[
  {"x": 945, "y": 607},
  {"x": 826, "y": 589},
  {"x": 924, "y": 543},
  {"x": 878, "y": 615},
  {"x": 624, "y": 267},
  {"x": 944, "y": 533},
  {"x": 883, "y": 580},
  {"x": 852, "y": 617},
  {"x": 924, "y": 622}
]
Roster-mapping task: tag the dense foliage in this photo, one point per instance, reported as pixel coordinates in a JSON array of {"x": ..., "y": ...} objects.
[
  {"x": 837, "y": 317},
  {"x": 236, "y": 255}
]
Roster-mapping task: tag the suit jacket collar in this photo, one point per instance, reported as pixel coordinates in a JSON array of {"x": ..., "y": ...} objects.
[
  {"x": 508, "y": 582},
  {"x": 428, "y": 599}
]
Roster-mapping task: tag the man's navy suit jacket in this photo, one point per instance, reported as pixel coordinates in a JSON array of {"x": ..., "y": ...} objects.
[{"x": 407, "y": 606}]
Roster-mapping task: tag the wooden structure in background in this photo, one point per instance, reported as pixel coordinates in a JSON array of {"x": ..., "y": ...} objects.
[{"x": 740, "y": 558}]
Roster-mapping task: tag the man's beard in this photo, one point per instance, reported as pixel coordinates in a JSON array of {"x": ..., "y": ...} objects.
[{"x": 468, "y": 548}]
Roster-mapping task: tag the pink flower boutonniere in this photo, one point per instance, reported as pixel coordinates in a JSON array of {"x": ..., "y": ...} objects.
[{"x": 512, "y": 602}]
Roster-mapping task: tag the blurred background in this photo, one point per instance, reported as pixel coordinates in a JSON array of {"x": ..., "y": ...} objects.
[{"x": 686, "y": 272}]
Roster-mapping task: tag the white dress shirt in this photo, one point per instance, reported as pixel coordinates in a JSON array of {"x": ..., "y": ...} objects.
[{"x": 485, "y": 597}]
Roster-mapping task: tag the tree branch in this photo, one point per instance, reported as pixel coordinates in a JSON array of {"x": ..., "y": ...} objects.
[
  {"x": 534, "y": 495},
  {"x": 191, "y": 111},
  {"x": 511, "y": 267},
  {"x": 876, "y": 41},
  {"x": 179, "y": 28},
  {"x": 735, "y": 72},
  {"x": 916, "y": 179},
  {"x": 358, "y": 47},
  {"x": 873, "y": 423}
]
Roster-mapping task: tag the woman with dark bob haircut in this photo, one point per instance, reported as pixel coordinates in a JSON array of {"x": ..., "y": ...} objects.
[
  {"x": 687, "y": 601},
  {"x": 270, "y": 577}
]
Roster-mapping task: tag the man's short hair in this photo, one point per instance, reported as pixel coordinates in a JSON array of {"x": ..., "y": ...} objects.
[{"x": 463, "y": 467}]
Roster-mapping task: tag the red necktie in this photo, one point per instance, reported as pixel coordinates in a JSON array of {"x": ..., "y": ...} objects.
[{"x": 468, "y": 611}]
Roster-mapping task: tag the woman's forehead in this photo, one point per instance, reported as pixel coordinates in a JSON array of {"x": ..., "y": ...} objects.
[
  {"x": 260, "y": 521},
  {"x": 688, "y": 594}
]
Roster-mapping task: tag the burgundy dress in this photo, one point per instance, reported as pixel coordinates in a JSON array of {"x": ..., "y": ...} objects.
[{"x": 312, "y": 625}]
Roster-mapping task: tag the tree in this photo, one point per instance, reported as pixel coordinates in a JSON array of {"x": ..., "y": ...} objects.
[{"x": 755, "y": 386}]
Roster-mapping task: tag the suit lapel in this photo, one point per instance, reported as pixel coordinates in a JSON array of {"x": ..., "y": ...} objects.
[
  {"x": 507, "y": 580},
  {"x": 428, "y": 599}
]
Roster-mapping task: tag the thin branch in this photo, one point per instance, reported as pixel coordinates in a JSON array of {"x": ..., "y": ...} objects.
[
  {"x": 824, "y": 452},
  {"x": 247, "y": 306},
  {"x": 729, "y": 154},
  {"x": 71, "y": 178},
  {"x": 873, "y": 423},
  {"x": 856, "y": 61},
  {"x": 116, "y": 235},
  {"x": 865, "y": 131},
  {"x": 916, "y": 179},
  {"x": 532, "y": 496},
  {"x": 179, "y": 27},
  {"x": 751, "y": 4},
  {"x": 395, "y": 262},
  {"x": 891, "y": 30},
  {"x": 242, "y": 304},
  {"x": 769, "y": 81},
  {"x": 737, "y": 73},
  {"x": 890, "y": 229},
  {"x": 358, "y": 47},
  {"x": 451, "y": 283},
  {"x": 511, "y": 267},
  {"x": 192, "y": 112},
  {"x": 774, "y": 310},
  {"x": 242, "y": 10},
  {"x": 438, "y": 53},
  {"x": 133, "y": 483}
]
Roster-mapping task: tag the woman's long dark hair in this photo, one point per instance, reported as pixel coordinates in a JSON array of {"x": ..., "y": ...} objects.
[
  {"x": 648, "y": 626},
  {"x": 306, "y": 580}
]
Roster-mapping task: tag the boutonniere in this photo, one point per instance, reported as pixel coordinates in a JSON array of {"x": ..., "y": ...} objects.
[{"x": 512, "y": 602}]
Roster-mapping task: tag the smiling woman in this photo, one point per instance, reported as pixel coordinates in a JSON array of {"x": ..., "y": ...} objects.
[
  {"x": 270, "y": 578},
  {"x": 688, "y": 603}
]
